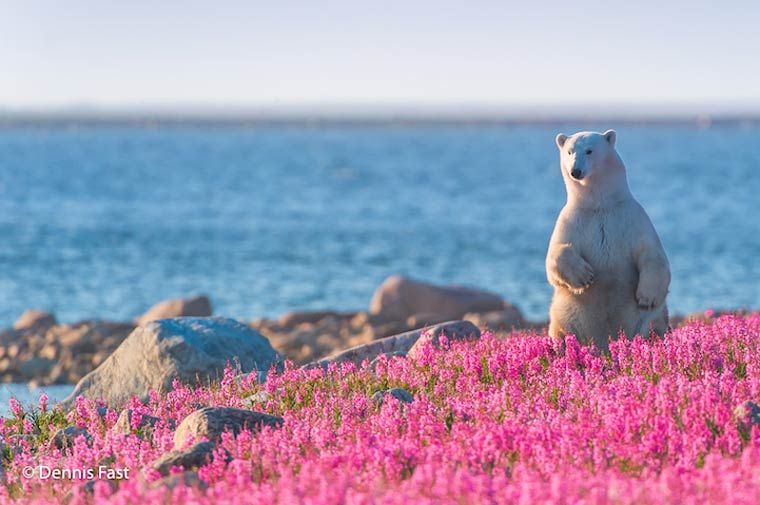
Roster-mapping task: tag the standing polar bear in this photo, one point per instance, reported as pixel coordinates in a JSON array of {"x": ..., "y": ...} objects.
[{"x": 605, "y": 260}]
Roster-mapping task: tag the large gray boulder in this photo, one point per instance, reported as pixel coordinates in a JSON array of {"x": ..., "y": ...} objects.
[
  {"x": 399, "y": 298},
  {"x": 194, "y": 306},
  {"x": 185, "y": 348}
]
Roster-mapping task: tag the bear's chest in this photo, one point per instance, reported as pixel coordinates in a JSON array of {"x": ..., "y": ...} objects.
[{"x": 605, "y": 241}]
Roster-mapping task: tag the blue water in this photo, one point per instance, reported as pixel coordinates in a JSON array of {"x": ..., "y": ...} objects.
[
  {"x": 29, "y": 397},
  {"x": 105, "y": 222}
]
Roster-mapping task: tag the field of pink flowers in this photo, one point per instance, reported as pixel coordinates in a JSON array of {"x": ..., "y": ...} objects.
[{"x": 499, "y": 420}]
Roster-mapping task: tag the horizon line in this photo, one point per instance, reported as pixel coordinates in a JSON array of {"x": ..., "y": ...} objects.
[{"x": 380, "y": 115}]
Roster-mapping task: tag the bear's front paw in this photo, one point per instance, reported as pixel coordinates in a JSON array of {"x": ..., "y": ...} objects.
[
  {"x": 648, "y": 299},
  {"x": 580, "y": 278}
]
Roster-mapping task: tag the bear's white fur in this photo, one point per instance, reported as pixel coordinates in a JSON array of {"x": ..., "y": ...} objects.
[{"x": 605, "y": 260}]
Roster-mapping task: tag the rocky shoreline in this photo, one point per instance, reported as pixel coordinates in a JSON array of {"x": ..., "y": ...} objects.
[{"x": 42, "y": 351}]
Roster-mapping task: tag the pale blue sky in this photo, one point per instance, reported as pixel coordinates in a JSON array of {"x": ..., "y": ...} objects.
[{"x": 117, "y": 53}]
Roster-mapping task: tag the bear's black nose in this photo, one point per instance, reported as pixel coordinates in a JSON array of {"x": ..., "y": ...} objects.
[{"x": 577, "y": 174}]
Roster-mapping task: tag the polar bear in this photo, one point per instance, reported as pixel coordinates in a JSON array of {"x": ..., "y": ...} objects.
[{"x": 605, "y": 260}]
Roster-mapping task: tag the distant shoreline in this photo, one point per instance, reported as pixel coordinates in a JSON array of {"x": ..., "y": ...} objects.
[{"x": 160, "y": 120}]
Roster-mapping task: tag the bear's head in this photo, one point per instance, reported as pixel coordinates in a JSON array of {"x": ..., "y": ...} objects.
[{"x": 587, "y": 156}]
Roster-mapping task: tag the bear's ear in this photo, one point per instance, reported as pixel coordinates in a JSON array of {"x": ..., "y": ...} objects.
[
  {"x": 561, "y": 138},
  {"x": 610, "y": 136}
]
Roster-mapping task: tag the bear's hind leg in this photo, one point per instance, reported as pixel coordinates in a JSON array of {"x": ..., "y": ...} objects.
[{"x": 555, "y": 330}]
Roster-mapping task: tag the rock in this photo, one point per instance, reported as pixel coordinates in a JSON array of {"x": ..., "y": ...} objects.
[
  {"x": 399, "y": 345},
  {"x": 456, "y": 330},
  {"x": 507, "y": 319},
  {"x": 35, "y": 343},
  {"x": 98, "y": 358},
  {"x": 89, "y": 486},
  {"x": 400, "y": 394},
  {"x": 748, "y": 414},
  {"x": 257, "y": 398},
  {"x": 389, "y": 329},
  {"x": 388, "y": 356},
  {"x": 185, "y": 479},
  {"x": 399, "y": 298},
  {"x": 57, "y": 375},
  {"x": 360, "y": 320},
  {"x": 34, "y": 367},
  {"x": 76, "y": 338},
  {"x": 196, "y": 306},
  {"x": 13, "y": 350},
  {"x": 34, "y": 319},
  {"x": 10, "y": 337},
  {"x": 421, "y": 320},
  {"x": 147, "y": 423},
  {"x": 90, "y": 336},
  {"x": 291, "y": 319},
  {"x": 49, "y": 352},
  {"x": 191, "y": 458},
  {"x": 88, "y": 489},
  {"x": 211, "y": 422},
  {"x": 185, "y": 348},
  {"x": 20, "y": 442},
  {"x": 65, "y": 437}
]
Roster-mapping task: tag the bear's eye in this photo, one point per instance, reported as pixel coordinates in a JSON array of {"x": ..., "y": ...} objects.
[
  {"x": 570, "y": 152},
  {"x": 588, "y": 151}
]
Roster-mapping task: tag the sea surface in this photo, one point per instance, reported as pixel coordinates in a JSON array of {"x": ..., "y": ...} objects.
[
  {"x": 104, "y": 222},
  {"x": 30, "y": 396}
]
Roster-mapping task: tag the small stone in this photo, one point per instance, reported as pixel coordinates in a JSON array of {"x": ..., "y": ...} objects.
[
  {"x": 35, "y": 367},
  {"x": 19, "y": 442},
  {"x": 425, "y": 319},
  {"x": 66, "y": 437},
  {"x": 399, "y": 394},
  {"x": 88, "y": 488},
  {"x": 191, "y": 458},
  {"x": 98, "y": 358},
  {"x": 360, "y": 320},
  {"x": 381, "y": 331},
  {"x": 196, "y": 306},
  {"x": 504, "y": 320},
  {"x": 295, "y": 318},
  {"x": 13, "y": 350},
  {"x": 184, "y": 479},
  {"x": 34, "y": 319},
  {"x": 260, "y": 397},
  {"x": 147, "y": 423},
  {"x": 49, "y": 352},
  {"x": 748, "y": 413}
]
